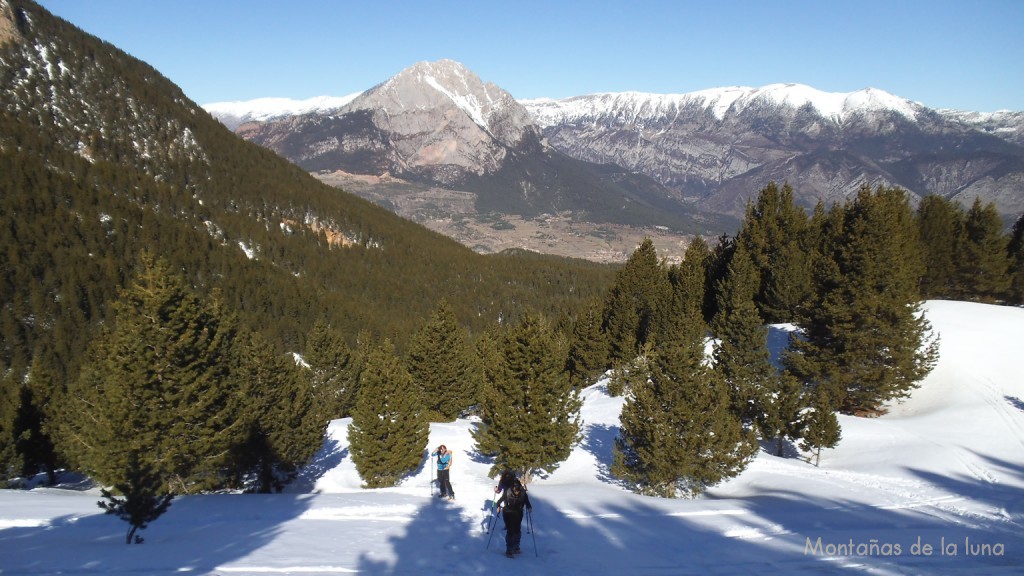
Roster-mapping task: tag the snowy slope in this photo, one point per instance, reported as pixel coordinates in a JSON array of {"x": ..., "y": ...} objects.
[{"x": 944, "y": 469}]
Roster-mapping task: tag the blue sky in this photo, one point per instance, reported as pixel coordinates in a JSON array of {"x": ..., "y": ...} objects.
[{"x": 965, "y": 54}]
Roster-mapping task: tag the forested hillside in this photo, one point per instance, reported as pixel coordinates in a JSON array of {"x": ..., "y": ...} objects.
[{"x": 103, "y": 158}]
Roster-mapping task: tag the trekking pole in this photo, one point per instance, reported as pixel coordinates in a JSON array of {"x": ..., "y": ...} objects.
[
  {"x": 489, "y": 529},
  {"x": 490, "y": 519},
  {"x": 431, "y": 485},
  {"x": 529, "y": 524}
]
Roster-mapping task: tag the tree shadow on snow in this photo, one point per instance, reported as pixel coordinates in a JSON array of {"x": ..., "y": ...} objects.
[
  {"x": 994, "y": 482},
  {"x": 782, "y": 533},
  {"x": 1015, "y": 402},
  {"x": 197, "y": 534},
  {"x": 329, "y": 457},
  {"x": 599, "y": 441}
]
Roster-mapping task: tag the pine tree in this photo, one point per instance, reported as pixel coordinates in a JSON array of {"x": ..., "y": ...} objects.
[
  {"x": 717, "y": 266},
  {"x": 285, "y": 426},
  {"x": 32, "y": 441},
  {"x": 331, "y": 370},
  {"x": 9, "y": 399},
  {"x": 774, "y": 233},
  {"x": 443, "y": 366},
  {"x": 864, "y": 337},
  {"x": 821, "y": 427},
  {"x": 155, "y": 390},
  {"x": 687, "y": 293},
  {"x": 588, "y": 348},
  {"x": 634, "y": 302},
  {"x": 143, "y": 498},
  {"x": 1015, "y": 251},
  {"x": 779, "y": 418},
  {"x": 939, "y": 222},
  {"x": 678, "y": 434},
  {"x": 982, "y": 258},
  {"x": 530, "y": 416},
  {"x": 388, "y": 433},
  {"x": 741, "y": 348}
]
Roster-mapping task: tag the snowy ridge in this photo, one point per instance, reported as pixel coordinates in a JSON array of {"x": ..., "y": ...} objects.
[
  {"x": 263, "y": 109},
  {"x": 632, "y": 106}
]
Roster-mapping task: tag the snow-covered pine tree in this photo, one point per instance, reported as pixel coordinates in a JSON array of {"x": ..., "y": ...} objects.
[
  {"x": 389, "y": 431},
  {"x": 443, "y": 365},
  {"x": 286, "y": 426},
  {"x": 530, "y": 415}
]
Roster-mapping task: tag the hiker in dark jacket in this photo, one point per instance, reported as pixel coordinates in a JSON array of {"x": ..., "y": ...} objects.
[{"x": 513, "y": 499}]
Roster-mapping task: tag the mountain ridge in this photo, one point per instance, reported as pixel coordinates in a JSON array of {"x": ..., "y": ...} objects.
[{"x": 706, "y": 153}]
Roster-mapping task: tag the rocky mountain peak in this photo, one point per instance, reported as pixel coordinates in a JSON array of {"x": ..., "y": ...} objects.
[{"x": 447, "y": 91}]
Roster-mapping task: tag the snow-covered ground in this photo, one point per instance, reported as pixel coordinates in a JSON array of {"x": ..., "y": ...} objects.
[{"x": 934, "y": 487}]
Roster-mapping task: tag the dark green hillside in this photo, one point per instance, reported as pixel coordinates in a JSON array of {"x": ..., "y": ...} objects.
[{"x": 102, "y": 158}]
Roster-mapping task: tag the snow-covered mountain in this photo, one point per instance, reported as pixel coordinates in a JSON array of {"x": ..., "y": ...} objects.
[
  {"x": 234, "y": 114},
  {"x": 719, "y": 146},
  {"x": 720, "y": 102},
  {"x": 711, "y": 150},
  {"x": 439, "y": 124}
]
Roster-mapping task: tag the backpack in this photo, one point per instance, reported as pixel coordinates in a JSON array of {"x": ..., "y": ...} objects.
[{"x": 515, "y": 496}]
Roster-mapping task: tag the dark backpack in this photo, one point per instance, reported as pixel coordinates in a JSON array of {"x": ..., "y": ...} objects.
[{"x": 515, "y": 496}]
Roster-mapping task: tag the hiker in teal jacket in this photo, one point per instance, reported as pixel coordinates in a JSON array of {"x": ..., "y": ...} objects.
[{"x": 444, "y": 463}]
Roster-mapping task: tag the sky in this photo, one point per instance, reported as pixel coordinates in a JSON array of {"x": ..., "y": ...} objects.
[
  {"x": 931, "y": 488},
  {"x": 961, "y": 54}
]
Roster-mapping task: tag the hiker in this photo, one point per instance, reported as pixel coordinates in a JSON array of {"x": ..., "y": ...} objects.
[
  {"x": 513, "y": 499},
  {"x": 444, "y": 463}
]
